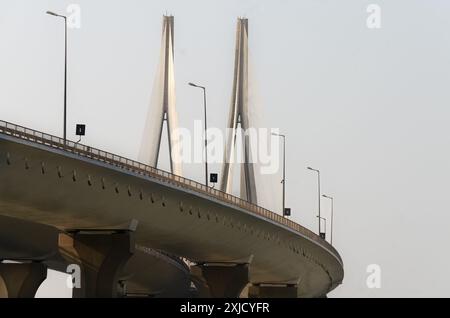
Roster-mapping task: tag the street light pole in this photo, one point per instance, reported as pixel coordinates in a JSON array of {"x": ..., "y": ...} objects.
[
  {"x": 332, "y": 212},
  {"x": 318, "y": 186},
  {"x": 65, "y": 72},
  {"x": 284, "y": 171},
  {"x": 206, "y": 129}
]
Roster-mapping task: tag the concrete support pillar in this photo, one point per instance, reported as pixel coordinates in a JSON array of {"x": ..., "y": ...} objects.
[
  {"x": 21, "y": 280},
  {"x": 103, "y": 255},
  {"x": 220, "y": 280},
  {"x": 272, "y": 291}
]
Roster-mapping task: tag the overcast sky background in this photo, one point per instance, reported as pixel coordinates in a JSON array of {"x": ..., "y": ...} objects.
[{"x": 369, "y": 107}]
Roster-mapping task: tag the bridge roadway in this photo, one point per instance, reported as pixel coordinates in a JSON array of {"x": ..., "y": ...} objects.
[{"x": 75, "y": 186}]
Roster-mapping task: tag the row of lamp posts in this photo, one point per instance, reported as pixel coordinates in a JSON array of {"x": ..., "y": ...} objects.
[{"x": 285, "y": 211}]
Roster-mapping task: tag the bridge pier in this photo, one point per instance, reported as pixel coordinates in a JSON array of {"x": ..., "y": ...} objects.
[
  {"x": 33, "y": 246},
  {"x": 103, "y": 255},
  {"x": 273, "y": 291},
  {"x": 21, "y": 280},
  {"x": 220, "y": 280}
]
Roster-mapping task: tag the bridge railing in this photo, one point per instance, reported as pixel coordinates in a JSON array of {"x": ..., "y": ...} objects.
[{"x": 164, "y": 176}]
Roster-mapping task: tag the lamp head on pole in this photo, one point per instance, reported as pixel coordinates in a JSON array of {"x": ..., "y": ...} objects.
[
  {"x": 195, "y": 85},
  {"x": 56, "y": 14},
  {"x": 53, "y": 13},
  {"x": 312, "y": 169},
  {"x": 278, "y": 135}
]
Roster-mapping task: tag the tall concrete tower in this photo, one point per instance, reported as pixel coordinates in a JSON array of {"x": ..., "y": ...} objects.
[
  {"x": 162, "y": 106},
  {"x": 239, "y": 119}
]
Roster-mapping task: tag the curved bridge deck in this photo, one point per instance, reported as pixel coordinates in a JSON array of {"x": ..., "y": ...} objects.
[{"x": 91, "y": 187}]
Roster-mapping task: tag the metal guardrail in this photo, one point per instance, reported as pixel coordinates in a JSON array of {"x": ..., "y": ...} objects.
[{"x": 164, "y": 176}]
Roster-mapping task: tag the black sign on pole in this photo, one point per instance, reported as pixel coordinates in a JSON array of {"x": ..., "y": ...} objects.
[
  {"x": 287, "y": 212},
  {"x": 213, "y": 177},
  {"x": 80, "y": 130}
]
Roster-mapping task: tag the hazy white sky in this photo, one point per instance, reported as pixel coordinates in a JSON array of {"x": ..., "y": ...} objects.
[{"x": 369, "y": 107}]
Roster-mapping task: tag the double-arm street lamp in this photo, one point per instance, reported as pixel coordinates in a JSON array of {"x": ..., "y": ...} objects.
[
  {"x": 206, "y": 136},
  {"x": 65, "y": 71}
]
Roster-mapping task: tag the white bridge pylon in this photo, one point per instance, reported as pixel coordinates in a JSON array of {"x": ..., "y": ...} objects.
[
  {"x": 239, "y": 119},
  {"x": 162, "y": 106}
]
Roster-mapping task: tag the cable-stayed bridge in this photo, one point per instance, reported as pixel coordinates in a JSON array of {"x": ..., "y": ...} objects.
[{"x": 135, "y": 230}]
